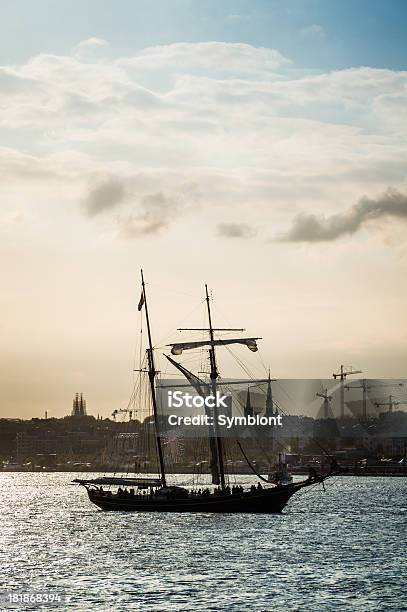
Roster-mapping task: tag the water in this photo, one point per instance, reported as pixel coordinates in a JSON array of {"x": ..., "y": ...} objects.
[{"x": 339, "y": 550}]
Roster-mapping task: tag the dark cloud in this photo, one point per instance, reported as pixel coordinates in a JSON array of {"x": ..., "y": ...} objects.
[
  {"x": 313, "y": 228},
  {"x": 147, "y": 215},
  {"x": 156, "y": 213},
  {"x": 236, "y": 230},
  {"x": 104, "y": 195}
]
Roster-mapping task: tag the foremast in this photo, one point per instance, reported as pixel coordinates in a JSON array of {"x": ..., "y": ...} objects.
[{"x": 151, "y": 376}]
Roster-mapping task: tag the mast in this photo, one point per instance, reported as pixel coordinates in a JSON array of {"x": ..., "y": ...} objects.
[
  {"x": 151, "y": 376},
  {"x": 177, "y": 348},
  {"x": 202, "y": 388},
  {"x": 214, "y": 376}
]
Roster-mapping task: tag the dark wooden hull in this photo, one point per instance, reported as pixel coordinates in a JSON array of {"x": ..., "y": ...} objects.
[{"x": 265, "y": 501}]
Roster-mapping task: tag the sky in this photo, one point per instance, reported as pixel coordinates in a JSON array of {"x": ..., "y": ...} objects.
[{"x": 259, "y": 147}]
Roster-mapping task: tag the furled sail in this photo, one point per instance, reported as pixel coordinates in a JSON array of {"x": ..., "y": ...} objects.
[
  {"x": 202, "y": 389},
  {"x": 178, "y": 347},
  {"x": 198, "y": 384}
]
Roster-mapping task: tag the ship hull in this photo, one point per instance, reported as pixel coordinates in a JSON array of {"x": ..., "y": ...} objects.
[{"x": 265, "y": 501}]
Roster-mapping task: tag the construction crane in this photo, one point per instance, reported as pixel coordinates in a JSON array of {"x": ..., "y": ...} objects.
[
  {"x": 365, "y": 388},
  {"x": 342, "y": 374},
  {"x": 327, "y": 398},
  {"x": 391, "y": 403},
  {"x": 121, "y": 411}
]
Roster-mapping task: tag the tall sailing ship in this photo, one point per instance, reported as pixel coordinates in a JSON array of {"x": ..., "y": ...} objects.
[{"x": 158, "y": 494}]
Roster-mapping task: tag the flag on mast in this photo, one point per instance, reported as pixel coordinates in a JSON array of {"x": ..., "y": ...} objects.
[{"x": 141, "y": 302}]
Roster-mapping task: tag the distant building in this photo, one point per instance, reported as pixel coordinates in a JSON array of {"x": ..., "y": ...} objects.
[
  {"x": 34, "y": 443},
  {"x": 79, "y": 406},
  {"x": 386, "y": 444},
  {"x": 125, "y": 444},
  {"x": 70, "y": 443}
]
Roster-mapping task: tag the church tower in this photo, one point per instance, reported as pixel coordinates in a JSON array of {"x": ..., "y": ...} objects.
[
  {"x": 269, "y": 400},
  {"x": 79, "y": 406}
]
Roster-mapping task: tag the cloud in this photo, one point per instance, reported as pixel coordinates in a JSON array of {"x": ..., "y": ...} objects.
[
  {"x": 313, "y": 228},
  {"x": 144, "y": 213},
  {"x": 86, "y": 48},
  {"x": 93, "y": 42},
  {"x": 104, "y": 195},
  {"x": 156, "y": 213},
  {"x": 13, "y": 83},
  {"x": 236, "y": 230},
  {"x": 213, "y": 55},
  {"x": 231, "y": 119}
]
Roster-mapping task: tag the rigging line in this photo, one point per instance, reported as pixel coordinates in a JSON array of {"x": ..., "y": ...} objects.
[
  {"x": 333, "y": 482},
  {"x": 172, "y": 290},
  {"x": 240, "y": 362},
  {"x": 221, "y": 312},
  {"x": 246, "y": 368},
  {"x": 251, "y": 466},
  {"x": 283, "y": 446},
  {"x": 183, "y": 321},
  {"x": 284, "y": 391},
  {"x": 240, "y": 405},
  {"x": 307, "y": 490},
  {"x": 262, "y": 449},
  {"x": 249, "y": 374},
  {"x": 266, "y": 369}
]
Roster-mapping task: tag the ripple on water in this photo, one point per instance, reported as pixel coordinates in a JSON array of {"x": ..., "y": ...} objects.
[{"x": 339, "y": 550}]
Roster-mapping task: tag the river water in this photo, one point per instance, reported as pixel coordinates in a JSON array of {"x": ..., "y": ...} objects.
[{"x": 343, "y": 549}]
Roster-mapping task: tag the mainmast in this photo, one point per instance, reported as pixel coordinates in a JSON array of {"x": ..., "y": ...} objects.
[
  {"x": 177, "y": 348},
  {"x": 203, "y": 389},
  {"x": 214, "y": 375},
  {"x": 151, "y": 376}
]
